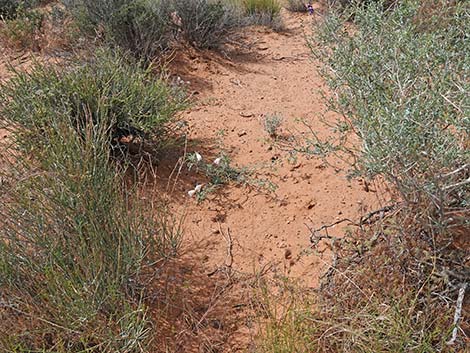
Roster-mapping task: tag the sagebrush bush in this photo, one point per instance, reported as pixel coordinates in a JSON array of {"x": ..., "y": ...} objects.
[
  {"x": 349, "y": 5},
  {"x": 23, "y": 30},
  {"x": 8, "y": 8},
  {"x": 109, "y": 89},
  {"x": 296, "y": 6},
  {"x": 264, "y": 13},
  {"x": 142, "y": 27},
  {"x": 403, "y": 87},
  {"x": 207, "y": 24},
  {"x": 269, "y": 7}
]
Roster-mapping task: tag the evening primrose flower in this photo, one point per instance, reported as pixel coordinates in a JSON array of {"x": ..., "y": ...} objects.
[
  {"x": 196, "y": 190},
  {"x": 191, "y": 193}
]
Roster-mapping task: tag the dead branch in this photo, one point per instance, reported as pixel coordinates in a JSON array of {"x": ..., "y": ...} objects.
[
  {"x": 457, "y": 314},
  {"x": 227, "y": 266}
]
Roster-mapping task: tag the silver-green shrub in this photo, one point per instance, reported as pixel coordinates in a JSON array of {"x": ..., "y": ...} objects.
[{"x": 401, "y": 81}]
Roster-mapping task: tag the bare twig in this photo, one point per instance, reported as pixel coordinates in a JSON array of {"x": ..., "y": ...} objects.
[
  {"x": 457, "y": 314},
  {"x": 456, "y": 185},
  {"x": 227, "y": 266},
  {"x": 458, "y": 170},
  {"x": 314, "y": 238}
]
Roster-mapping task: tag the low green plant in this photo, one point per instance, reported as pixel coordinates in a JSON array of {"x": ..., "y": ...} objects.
[
  {"x": 272, "y": 123},
  {"x": 9, "y": 9},
  {"x": 221, "y": 172},
  {"x": 411, "y": 118},
  {"x": 296, "y": 6},
  {"x": 207, "y": 24},
  {"x": 142, "y": 28},
  {"x": 23, "y": 30},
  {"x": 73, "y": 246},
  {"x": 75, "y": 240},
  {"x": 264, "y": 12},
  {"x": 349, "y": 6},
  {"x": 269, "y": 7},
  {"x": 107, "y": 89},
  {"x": 292, "y": 321}
]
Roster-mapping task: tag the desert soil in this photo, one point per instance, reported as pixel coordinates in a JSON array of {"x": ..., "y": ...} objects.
[
  {"x": 254, "y": 231},
  {"x": 233, "y": 91},
  {"x": 274, "y": 75}
]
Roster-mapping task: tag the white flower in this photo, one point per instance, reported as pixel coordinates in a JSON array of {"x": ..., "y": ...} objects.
[
  {"x": 198, "y": 156},
  {"x": 197, "y": 189},
  {"x": 217, "y": 160},
  {"x": 191, "y": 193}
]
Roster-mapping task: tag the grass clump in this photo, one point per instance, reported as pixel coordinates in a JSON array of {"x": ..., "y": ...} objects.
[
  {"x": 75, "y": 241},
  {"x": 269, "y": 7},
  {"x": 293, "y": 320},
  {"x": 107, "y": 90},
  {"x": 71, "y": 249}
]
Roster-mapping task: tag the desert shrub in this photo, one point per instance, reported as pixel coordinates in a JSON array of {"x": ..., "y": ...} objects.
[
  {"x": 403, "y": 89},
  {"x": 75, "y": 240},
  {"x": 272, "y": 124},
  {"x": 296, "y": 6},
  {"x": 8, "y": 8},
  {"x": 400, "y": 82},
  {"x": 23, "y": 30},
  {"x": 344, "y": 319},
  {"x": 71, "y": 249},
  {"x": 264, "y": 12},
  {"x": 108, "y": 89},
  {"x": 270, "y": 7},
  {"x": 349, "y": 5},
  {"x": 207, "y": 24},
  {"x": 141, "y": 27}
]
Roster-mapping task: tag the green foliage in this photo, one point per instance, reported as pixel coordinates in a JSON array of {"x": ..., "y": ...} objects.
[
  {"x": 74, "y": 238},
  {"x": 269, "y": 7},
  {"x": 23, "y": 30},
  {"x": 299, "y": 322},
  {"x": 108, "y": 90},
  {"x": 147, "y": 28},
  {"x": 9, "y": 8},
  {"x": 272, "y": 123},
  {"x": 141, "y": 27},
  {"x": 71, "y": 248},
  {"x": 221, "y": 172},
  {"x": 401, "y": 81},
  {"x": 296, "y": 6},
  {"x": 264, "y": 13},
  {"x": 207, "y": 24}
]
